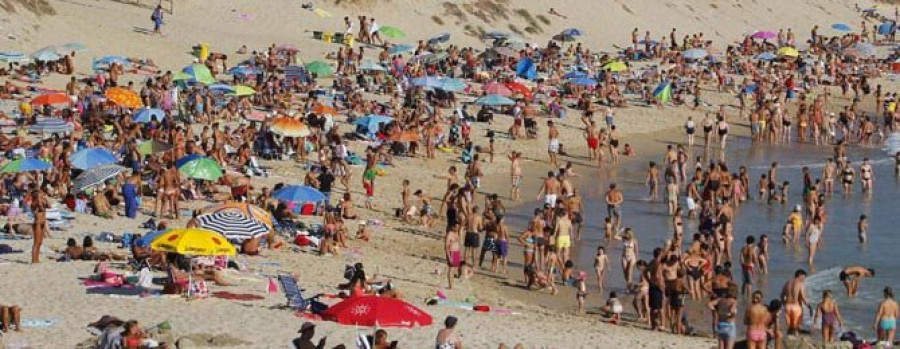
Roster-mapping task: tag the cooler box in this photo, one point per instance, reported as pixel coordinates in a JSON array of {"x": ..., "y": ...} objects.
[{"x": 327, "y": 36}]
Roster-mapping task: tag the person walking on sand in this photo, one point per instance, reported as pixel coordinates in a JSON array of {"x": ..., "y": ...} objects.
[
  {"x": 851, "y": 276},
  {"x": 553, "y": 146},
  {"x": 157, "y": 18},
  {"x": 886, "y": 317},
  {"x": 515, "y": 173},
  {"x": 451, "y": 250},
  {"x": 756, "y": 317}
]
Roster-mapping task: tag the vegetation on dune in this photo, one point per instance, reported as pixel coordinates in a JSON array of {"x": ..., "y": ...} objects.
[{"x": 37, "y": 7}]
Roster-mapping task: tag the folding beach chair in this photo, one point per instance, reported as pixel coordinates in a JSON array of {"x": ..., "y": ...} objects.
[{"x": 294, "y": 295}]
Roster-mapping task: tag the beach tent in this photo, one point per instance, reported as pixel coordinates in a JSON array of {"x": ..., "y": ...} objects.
[
  {"x": 663, "y": 92},
  {"x": 525, "y": 69}
]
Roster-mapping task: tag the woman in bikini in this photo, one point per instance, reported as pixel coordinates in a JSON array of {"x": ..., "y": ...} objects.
[
  {"x": 629, "y": 255},
  {"x": 831, "y": 316}
]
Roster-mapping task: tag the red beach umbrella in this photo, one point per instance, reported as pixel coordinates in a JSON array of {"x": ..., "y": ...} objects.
[
  {"x": 51, "y": 98},
  {"x": 496, "y": 88},
  {"x": 516, "y": 87},
  {"x": 369, "y": 311}
]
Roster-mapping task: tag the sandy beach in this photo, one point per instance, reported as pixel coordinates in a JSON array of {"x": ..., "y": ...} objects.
[{"x": 58, "y": 307}]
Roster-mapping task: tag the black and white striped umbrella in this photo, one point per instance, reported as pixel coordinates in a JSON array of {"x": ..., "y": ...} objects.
[
  {"x": 96, "y": 176},
  {"x": 233, "y": 225}
]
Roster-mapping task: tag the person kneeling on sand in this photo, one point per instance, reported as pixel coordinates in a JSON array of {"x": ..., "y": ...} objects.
[
  {"x": 539, "y": 279},
  {"x": 613, "y": 308}
]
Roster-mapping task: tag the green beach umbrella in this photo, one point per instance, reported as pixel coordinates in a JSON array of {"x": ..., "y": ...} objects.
[
  {"x": 180, "y": 76},
  {"x": 392, "y": 32},
  {"x": 199, "y": 73},
  {"x": 616, "y": 66},
  {"x": 199, "y": 167},
  {"x": 321, "y": 69},
  {"x": 241, "y": 90},
  {"x": 153, "y": 147},
  {"x": 663, "y": 92},
  {"x": 25, "y": 165}
]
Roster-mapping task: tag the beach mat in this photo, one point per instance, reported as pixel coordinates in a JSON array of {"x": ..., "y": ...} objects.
[{"x": 237, "y": 296}]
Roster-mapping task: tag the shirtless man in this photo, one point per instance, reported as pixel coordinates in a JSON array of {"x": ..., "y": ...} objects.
[
  {"x": 886, "y": 317},
  {"x": 749, "y": 259},
  {"x": 553, "y": 143},
  {"x": 574, "y": 206},
  {"x": 593, "y": 140},
  {"x": 563, "y": 233},
  {"x": 757, "y": 318},
  {"x": 451, "y": 249},
  {"x": 474, "y": 226},
  {"x": 828, "y": 174},
  {"x": 39, "y": 228},
  {"x": 793, "y": 296},
  {"x": 614, "y": 199},
  {"x": 550, "y": 189},
  {"x": 850, "y": 277},
  {"x": 652, "y": 181}
]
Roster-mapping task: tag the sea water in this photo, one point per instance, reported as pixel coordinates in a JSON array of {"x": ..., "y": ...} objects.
[{"x": 840, "y": 246}]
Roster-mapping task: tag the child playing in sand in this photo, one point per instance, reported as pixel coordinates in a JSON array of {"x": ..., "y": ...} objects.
[
  {"x": 613, "y": 308},
  {"x": 361, "y": 232}
]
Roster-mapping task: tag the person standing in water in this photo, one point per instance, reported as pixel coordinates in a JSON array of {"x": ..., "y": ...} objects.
[
  {"x": 601, "y": 262},
  {"x": 862, "y": 228},
  {"x": 793, "y": 296},
  {"x": 886, "y": 317},
  {"x": 866, "y": 176}
]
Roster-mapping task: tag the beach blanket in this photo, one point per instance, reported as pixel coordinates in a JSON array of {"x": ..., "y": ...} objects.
[
  {"x": 237, "y": 296},
  {"x": 39, "y": 323},
  {"x": 152, "y": 294},
  {"x": 92, "y": 284},
  {"x": 474, "y": 307}
]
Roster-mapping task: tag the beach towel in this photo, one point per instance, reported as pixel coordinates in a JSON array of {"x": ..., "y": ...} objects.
[
  {"x": 237, "y": 296},
  {"x": 93, "y": 284},
  {"x": 39, "y": 323}
]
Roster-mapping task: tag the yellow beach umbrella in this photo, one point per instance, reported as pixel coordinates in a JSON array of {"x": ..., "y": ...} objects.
[
  {"x": 124, "y": 97},
  {"x": 248, "y": 210},
  {"x": 242, "y": 90},
  {"x": 788, "y": 51},
  {"x": 194, "y": 242}
]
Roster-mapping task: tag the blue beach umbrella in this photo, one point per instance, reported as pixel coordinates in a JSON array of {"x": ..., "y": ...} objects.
[
  {"x": 841, "y": 27},
  {"x": 145, "y": 115},
  {"x": 46, "y": 54},
  {"x": 243, "y": 70},
  {"x": 298, "y": 194},
  {"x": 107, "y": 60},
  {"x": 219, "y": 87},
  {"x": 88, "y": 158},
  {"x": 663, "y": 92},
  {"x": 496, "y": 35},
  {"x": 575, "y": 74},
  {"x": 865, "y": 49},
  {"x": 494, "y": 100},
  {"x": 13, "y": 57},
  {"x": 450, "y": 84},
  {"x": 571, "y": 32},
  {"x": 439, "y": 39},
  {"x": 372, "y": 122},
  {"x": 426, "y": 81},
  {"x": 372, "y": 66},
  {"x": 583, "y": 81},
  {"x": 25, "y": 165}
]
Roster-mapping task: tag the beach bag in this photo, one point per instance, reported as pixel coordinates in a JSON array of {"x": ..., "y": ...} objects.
[
  {"x": 145, "y": 278},
  {"x": 199, "y": 289}
]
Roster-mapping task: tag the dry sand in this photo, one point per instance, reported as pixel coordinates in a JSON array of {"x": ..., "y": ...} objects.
[{"x": 410, "y": 256}]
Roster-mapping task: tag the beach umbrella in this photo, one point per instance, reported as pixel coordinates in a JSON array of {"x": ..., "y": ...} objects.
[
  {"x": 242, "y": 90},
  {"x": 841, "y": 27},
  {"x": 377, "y": 311},
  {"x": 788, "y": 51},
  {"x": 506, "y": 51},
  {"x": 391, "y": 32},
  {"x": 405, "y": 136},
  {"x": 181, "y": 76},
  {"x": 71, "y": 47},
  {"x": 615, "y": 66},
  {"x": 320, "y": 68},
  {"x": 153, "y": 147},
  {"x": 13, "y": 57},
  {"x": 25, "y": 165},
  {"x": 146, "y": 239},
  {"x": 246, "y": 209},
  {"x": 194, "y": 242},
  {"x": 695, "y": 54},
  {"x": 518, "y": 88},
  {"x": 221, "y": 88},
  {"x": 869, "y": 10},
  {"x": 372, "y": 66},
  {"x": 399, "y": 48},
  {"x": 434, "y": 58},
  {"x": 451, "y": 84},
  {"x": 51, "y": 125},
  {"x": 564, "y": 38},
  {"x": 298, "y": 194},
  {"x": 571, "y": 32},
  {"x": 289, "y": 127},
  {"x": 575, "y": 74},
  {"x": 145, "y": 115},
  {"x": 663, "y": 92},
  {"x": 764, "y": 35},
  {"x": 585, "y": 81},
  {"x": 494, "y": 100},
  {"x": 765, "y": 56},
  {"x": 46, "y": 54},
  {"x": 51, "y": 99},
  {"x": 287, "y": 48},
  {"x": 89, "y": 158},
  {"x": 885, "y": 28},
  {"x": 124, "y": 97},
  {"x": 96, "y": 176},
  {"x": 198, "y": 73},
  {"x": 426, "y": 81},
  {"x": 233, "y": 225},
  {"x": 496, "y": 88},
  {"x": 322, "y": 109},
  {"x": 496, "y": 35},
  {"x": 439, "y": 39},
  {"x": 256, "y": 115},
  {"x": 107, "y": 60},
  {"x": 243, "y": 70},
  {"x": 199, "y": 167},
  {"x": 372, "y": 122}
]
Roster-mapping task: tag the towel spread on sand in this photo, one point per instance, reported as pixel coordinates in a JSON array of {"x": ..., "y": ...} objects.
[
  {"x": 237, "y": 296},
  {"x": 39, "y": 323},
  {"x": 100, "y": 284}
]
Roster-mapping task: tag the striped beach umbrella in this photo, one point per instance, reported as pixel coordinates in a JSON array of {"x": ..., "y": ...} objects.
[
  {"x": 233, "y": 225},
  {"x": 13, "y": 57},
  {"x": 246, "y": 209},
  {"x": 25, "y": 165},
  {"x": 89, "y": 158},
  {"x": 145, "y": 115},
  {"x": 51, "y": 125},
  {"x": 198, "y": 73},
  {"x": 96, "y": 176}
]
